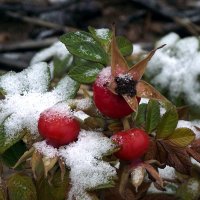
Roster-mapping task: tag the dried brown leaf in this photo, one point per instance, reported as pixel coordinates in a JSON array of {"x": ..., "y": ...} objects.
[
  {"x": 118, "y": 63},
  {"x": 194, "y": 154},
  {"x": 139, "y": 68},
  {"x": 132, "y": 102},
  {"x": 153, "y": 173},
  {"x": 177, "y": 157},
  {"x": 145, "y": 90}
]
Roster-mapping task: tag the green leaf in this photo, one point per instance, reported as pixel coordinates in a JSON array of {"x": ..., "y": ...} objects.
[
  {"x": 152, "y": 116},
  {"x": 67, "y": 87},
  {"x": 124, "y": 45},
  {"x": 2, "y": 193},
  {"x": 189, "y": 190},
  {"x": 182, "y": 137},
  {"x": 167, "y": 124},
  {"x": 57, "y": 190},
  {"x": 21, "y": 187},
  {"x": 141, "y": 115},
  {"x": 89, "y": 51},
  {"x": 12, "y": 155},
  {"x": 83, "y": 45},
  {"x": 72, "y": 38},
  {"x": 85, "y": 74},
  {"x": 5, "y": 142},
  {"x": 61, "y": 66},
  {"x": 102, "y": 35}
]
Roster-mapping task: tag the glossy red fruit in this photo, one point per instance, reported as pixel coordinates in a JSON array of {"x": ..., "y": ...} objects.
[
  {"x": 133, "y": 144},
  {"x": 109, "y": 104},
  {"x": 58, "y": 127}
]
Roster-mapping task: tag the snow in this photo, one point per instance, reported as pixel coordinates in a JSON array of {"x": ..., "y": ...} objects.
[
  {"x": 81, "y": 115},
  {"x": 84, "y": 158},
  {"x": 102, "y": 33},
  {"x": 167, "y": 173},
  {"x": 45, "y": 149},
  {"x": 176, "y": 67},
  {"x": 27, "y": 80},
  {"x": 57, "y": 49},
  {"x": 83, "y": 104},
  {"x": 104, "y": 77},
  {"x": 27, "y": 97},
  {"x": 191, "y": 125},
  {"x": 92, "y": 72}
]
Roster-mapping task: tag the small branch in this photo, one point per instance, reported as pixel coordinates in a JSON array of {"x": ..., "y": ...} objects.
[
  {"x": 39, "y": 22},
  {"x": 27, "y": 45}
]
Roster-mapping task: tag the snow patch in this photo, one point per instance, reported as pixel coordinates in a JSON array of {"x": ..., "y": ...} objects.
[
  {"x": 84, "y": 158},
  {"x": 45, "y": 149},
  {"x": 176, "y": 67},
  {"x": 27, "y": 97},
  {"x": 57, "y": 49},
  {"x": 104, "y": 77},
  {"x": 168, "y": 172}
]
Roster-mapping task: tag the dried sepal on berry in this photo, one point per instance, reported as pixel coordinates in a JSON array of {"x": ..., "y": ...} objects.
[{"x": 127, "y": 82}]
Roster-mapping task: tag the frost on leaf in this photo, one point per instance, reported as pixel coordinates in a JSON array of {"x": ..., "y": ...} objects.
[
  {"x": 27, "y": 95},
  {"x": 84, "y": 158}
]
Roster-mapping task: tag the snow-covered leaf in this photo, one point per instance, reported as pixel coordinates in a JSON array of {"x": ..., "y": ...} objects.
[
  {"x": 21, "y": 187},
  {"x": 66, "y": 87},
  {"x": 6, "y": 142},
  {"x": 85, "y": 74},
  {"x": 102, "y": 35},
  {"x": 83, "y": 45}
]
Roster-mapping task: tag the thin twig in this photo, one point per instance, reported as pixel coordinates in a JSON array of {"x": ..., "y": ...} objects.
[
  {"x": 39, "y": 22},
  {"x": 27, "y": 45}
]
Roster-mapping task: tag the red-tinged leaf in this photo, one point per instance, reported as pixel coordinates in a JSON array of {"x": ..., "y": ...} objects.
[
  {"x": 183, "y": 113},
  {"x": 139, "y": 68},
  {"x": 159, "y": 197},
  {"x": 194, "y": 154},
  {"x": 177, "y": 157},
  {"x": 196, "y": 145},
  {"x": 153, "y": 173},
  {"x": 118, "y": 63},
  {"x": 145, "y": 90},
  {"x": 132, "y": 102}
]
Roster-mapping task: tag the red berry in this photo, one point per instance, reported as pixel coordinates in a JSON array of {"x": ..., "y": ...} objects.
[
  {"x": 109, "y": 104},
  {"x": 58, "y": 126},
  {"x": 133, "y": 143}
]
